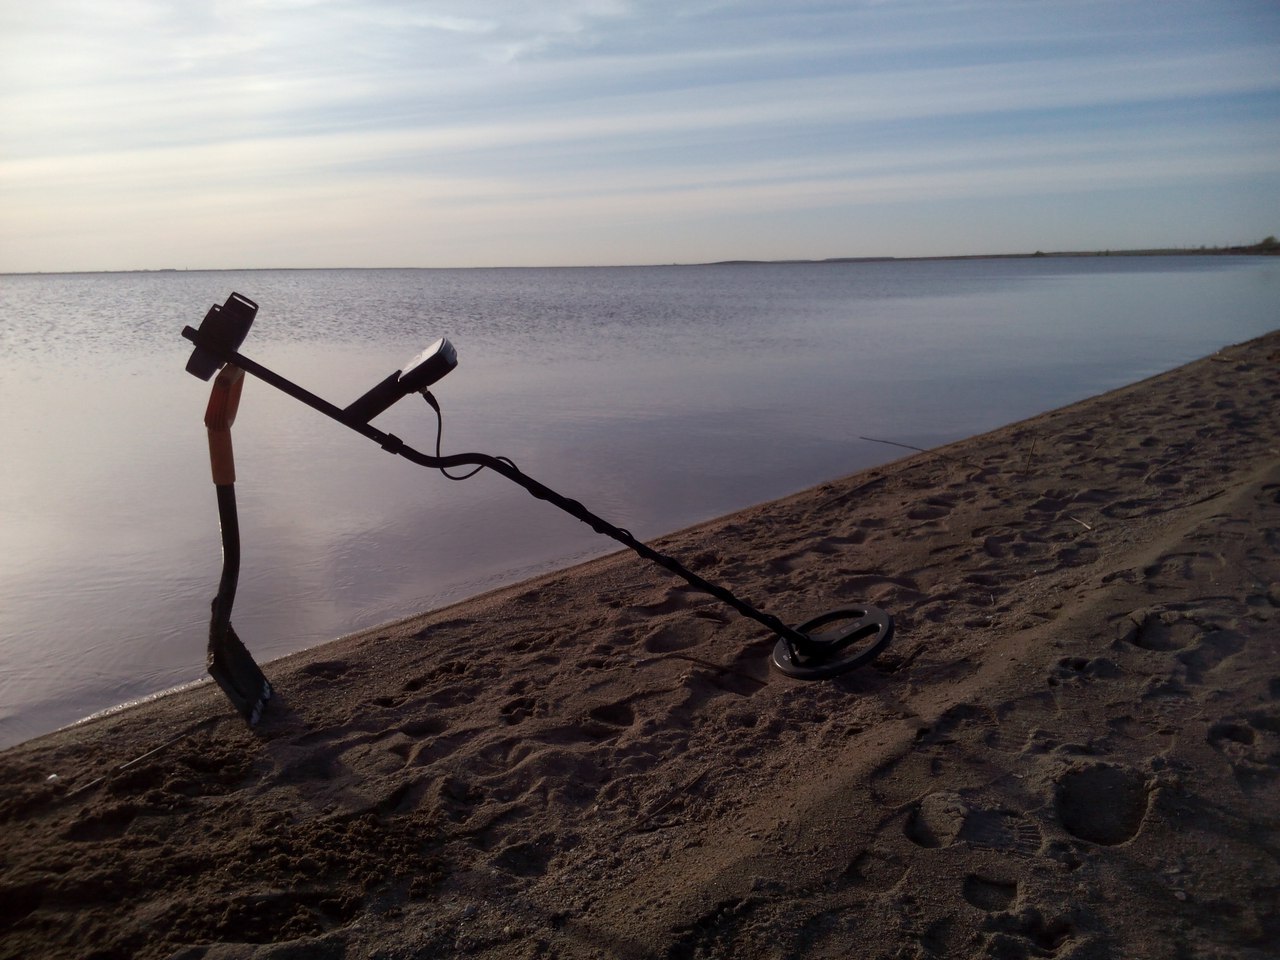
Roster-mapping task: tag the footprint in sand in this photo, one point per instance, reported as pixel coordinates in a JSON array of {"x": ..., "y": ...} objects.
[
  {"x": 1199, "y": 567},
  {"x": 1131, "y": 509},
  {"x": 875, "y": 586},
  {"x": 611, "y": 718},
  {"x": 1199, "y": 644},
  {"x": 1001, "y": 830},
  {"x": 1025, "y": 724},
  {"x": 670, "y": 638},
  {"x": 961, "y": 722},
  {"x": 942, "y": 819},
  {"x": 1102, "y": 803},
  {"x": 528, "y": 858},
  {"x": 596, "y": 724},
  {"x": 520, "y": 709},
  {"x": 325, "y": 671},
  {"x": 1052, "y": 501},
  {"x": 674, "y": 600},
  {"x": 1076, "y": 555},
  {"x": 1083, "y": 670},
  {"x": 937, "y": 821},
  {"x": 1216, "y": 646},
  {"x": 1008, "y": 543},
  {"x": 934, "y": 508},
  {"x": 1251, "y": 744},
  {"x": 1160, "y": 630},
  {"x": 988, "y": 894},
  {"x": 1027, "y": 934},
  {"x": 879, "y": 869},
  {"x": 457, "y": 696},
  {"x": 421, "y": 727},
  {"x": 1015, "y": 726}
]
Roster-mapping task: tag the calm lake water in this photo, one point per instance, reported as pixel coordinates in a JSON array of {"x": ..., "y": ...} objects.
[{"x": 659, "y": 396}]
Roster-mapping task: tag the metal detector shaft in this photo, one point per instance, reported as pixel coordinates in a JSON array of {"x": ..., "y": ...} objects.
[
  {"x": 393, "y": 444},
  {"x": 579, "y": 512},
  {"x": 229, "y": 527}
]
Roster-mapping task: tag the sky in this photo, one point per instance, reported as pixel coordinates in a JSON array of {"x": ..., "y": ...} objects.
[{"x": 148, "y": 134}]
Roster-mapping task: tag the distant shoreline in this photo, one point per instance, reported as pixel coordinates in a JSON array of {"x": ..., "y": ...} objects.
[
  {"x": 1266, "y": 248},
  {"x": 1263, "y": 249}
]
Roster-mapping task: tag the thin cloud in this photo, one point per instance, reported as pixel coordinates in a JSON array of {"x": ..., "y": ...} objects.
[{"x": 325, "y": 111}]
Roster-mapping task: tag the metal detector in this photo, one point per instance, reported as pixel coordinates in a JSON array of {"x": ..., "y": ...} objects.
[{"x": 828, "y": 645}]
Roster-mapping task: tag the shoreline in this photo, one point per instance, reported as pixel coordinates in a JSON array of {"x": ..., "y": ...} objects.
[{"x": 1081, "y": 699}]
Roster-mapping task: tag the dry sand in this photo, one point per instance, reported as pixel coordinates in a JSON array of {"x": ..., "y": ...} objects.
[{"x": 1070, "y": 750}]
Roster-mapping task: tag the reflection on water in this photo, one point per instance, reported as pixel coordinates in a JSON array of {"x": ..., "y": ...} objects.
[{"x": 657, "y": 396}]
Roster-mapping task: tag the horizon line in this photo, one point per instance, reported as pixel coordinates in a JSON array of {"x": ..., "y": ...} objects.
[{"x": 1260, "y": 247}]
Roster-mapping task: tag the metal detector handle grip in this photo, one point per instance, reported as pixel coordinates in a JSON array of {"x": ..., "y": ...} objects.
[{"x": 224, "y": 400}]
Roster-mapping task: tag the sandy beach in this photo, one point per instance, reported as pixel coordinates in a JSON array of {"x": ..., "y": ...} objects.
[{"x": 1071, "y": 749}]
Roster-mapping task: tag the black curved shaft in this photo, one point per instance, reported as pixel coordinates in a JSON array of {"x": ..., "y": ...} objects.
[
  {"x": 579, "y": 512},
  {"x": 229, "y": 523}
]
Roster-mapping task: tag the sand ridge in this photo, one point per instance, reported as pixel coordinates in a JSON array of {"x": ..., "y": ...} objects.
[{"x": 1070, "y": 750}]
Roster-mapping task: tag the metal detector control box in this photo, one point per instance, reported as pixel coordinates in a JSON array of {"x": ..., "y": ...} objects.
[
  {"x": 428, "y": 366},
  {"x": 418, "y": 374}
]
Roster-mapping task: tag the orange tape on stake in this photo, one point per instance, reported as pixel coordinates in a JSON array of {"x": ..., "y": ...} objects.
[{"x": 224, "y": 400}]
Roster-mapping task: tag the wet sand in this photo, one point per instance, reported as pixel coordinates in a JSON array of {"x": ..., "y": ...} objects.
[{"x": 1071, "y": 748}]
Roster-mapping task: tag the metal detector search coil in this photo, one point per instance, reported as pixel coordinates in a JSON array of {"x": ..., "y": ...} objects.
[{"x": 828, "y": 645}]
